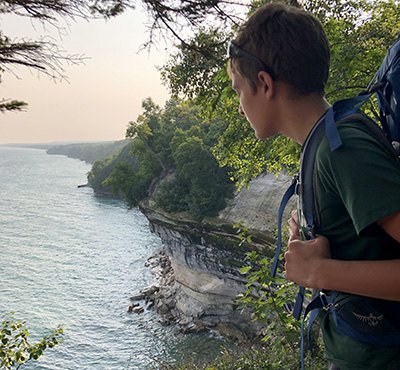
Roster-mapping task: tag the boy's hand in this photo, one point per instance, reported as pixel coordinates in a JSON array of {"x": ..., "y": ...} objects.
[
  {"x": 303, "y": 257},
  {"x": 293, "y": 226}
]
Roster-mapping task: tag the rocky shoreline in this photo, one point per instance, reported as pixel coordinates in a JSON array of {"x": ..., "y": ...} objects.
[
  {"x": 161, "y": 295},
  {"x": 197, "y": 278}
]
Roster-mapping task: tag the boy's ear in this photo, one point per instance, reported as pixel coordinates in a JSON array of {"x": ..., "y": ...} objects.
[{"x": 267, "y": 83}]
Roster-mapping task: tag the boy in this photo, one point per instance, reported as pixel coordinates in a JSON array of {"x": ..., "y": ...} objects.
[{"x": 279, "y": 64}]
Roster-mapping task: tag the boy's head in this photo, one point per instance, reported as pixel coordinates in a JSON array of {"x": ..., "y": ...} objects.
[{"x": 289, "y": 43}]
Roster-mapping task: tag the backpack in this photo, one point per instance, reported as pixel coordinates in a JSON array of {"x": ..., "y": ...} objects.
[{"x": 380, "y": 323}]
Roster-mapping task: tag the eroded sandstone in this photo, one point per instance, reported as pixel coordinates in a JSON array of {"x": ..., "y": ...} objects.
[{"x": 197, "y": 272}]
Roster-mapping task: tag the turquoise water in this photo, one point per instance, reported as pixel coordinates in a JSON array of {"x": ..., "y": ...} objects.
[{"x": 70, "y": 257}]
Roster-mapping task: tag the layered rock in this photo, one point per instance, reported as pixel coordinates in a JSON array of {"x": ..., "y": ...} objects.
[{"x": 200, "y": 279}]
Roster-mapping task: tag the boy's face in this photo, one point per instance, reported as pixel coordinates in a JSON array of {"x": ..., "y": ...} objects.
[{"x": 254, "y": 106}]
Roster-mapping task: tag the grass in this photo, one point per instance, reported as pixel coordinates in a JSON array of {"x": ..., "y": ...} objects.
[{"x": 252, "y": 359}]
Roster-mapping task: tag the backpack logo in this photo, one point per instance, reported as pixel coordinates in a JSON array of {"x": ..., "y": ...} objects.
[{"x": 371, "y": 320}]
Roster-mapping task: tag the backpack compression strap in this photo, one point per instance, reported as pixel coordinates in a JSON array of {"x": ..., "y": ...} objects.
[{"x": 388, "y": 93}]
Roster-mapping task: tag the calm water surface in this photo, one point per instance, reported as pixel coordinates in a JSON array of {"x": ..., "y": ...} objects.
[{"x": 69, "y": 257}]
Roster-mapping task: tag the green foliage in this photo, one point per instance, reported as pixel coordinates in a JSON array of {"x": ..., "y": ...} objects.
[
  {"x": 150, "y": 136},
  {"x": 102, "y": 169},
  {"x": 283, "y": 155},
  {"x": 130, "y": 172},
  {"x": 15, "y": 348},
  {"x": 172, "y": 195},
  {"x": 360, "y": 32},
  {"x": 207, "y": 184},
  {"x": 193, "y": 70},
  {"x": 238, "y": 148},
  {"x": 256, "y": 358},
  {"x": 163, "y": 141},
  {"x": 99, "y": 172},
  {"x": 12, "y": 105},
  {"x": 123, "y": 180},
  {"x": 200, "y": 186},
  {"x": 88, "y": 152},
  {"x": 268, "y": 297}
]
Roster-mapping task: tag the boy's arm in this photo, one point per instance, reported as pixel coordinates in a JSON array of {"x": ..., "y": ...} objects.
[
  {"x": 391, "y": 225},
  {"x": 309, "y": 263}
]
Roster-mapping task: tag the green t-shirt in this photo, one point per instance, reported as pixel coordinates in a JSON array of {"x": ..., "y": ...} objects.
[{"x": 357, "y": 185}]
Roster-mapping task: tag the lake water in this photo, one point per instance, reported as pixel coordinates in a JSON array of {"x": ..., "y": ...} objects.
[{"x": 70, "y": 257}]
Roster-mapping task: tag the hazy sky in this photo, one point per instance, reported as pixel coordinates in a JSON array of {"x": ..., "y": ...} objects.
[{"x": 102, "y": 95}]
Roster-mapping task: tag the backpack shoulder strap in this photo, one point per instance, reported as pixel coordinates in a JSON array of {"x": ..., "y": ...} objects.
[
  {"x": 337, "y": 112},
  {"x": 307, "y": 178},
  {"x": 340, "y": 111},
  {"x": 286, "y": 197}
]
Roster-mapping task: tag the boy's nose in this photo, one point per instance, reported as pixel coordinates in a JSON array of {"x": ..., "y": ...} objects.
[{"x": 240, "y": 110}]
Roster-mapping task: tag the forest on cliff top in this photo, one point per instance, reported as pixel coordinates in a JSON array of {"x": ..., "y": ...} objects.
[
  {"x": 173, "y": 143},
  {"x": 200, "y": 137}
]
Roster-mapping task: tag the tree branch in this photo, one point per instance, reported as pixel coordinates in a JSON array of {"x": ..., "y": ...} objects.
[{"x": 7, "y": 105}]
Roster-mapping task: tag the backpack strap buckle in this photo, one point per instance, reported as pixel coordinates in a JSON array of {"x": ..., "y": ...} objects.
[
  {"x": 326, "y": 300},
  {"x": 322, "y": 297}
]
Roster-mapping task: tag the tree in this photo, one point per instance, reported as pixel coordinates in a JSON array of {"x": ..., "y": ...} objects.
[
  {"x": 193, "y": 71},
  {"x": 123, "y": 180},
  {"x": 15, "y": 349},
  {"x": 359, "y": 32},
  {"x": 148, "y": 135},
  {"x": 44, "y": 55},
  {"x": 101, "y": 169},
  {"x": 208, "y": 185},
  {"x": 185, "y": 17},
  {"x": 168, "y": 19},
  {"x": 171, "y": 146},
  {"x": 142, "y": 131}
]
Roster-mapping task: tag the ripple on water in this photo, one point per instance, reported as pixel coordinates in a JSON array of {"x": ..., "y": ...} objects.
[{"x": 69, "y": 257}]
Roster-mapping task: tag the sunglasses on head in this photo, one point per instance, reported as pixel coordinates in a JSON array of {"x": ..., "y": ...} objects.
[{"x": 235, "y": 51}]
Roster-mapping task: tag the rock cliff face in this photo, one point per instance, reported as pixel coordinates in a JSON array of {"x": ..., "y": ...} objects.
[{"x": 200, "y": 280}]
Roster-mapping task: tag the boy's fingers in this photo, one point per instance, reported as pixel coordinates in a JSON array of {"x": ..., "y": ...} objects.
[
  {"x": 293, "y": 229},
  {"x": 294, "y": 215}
]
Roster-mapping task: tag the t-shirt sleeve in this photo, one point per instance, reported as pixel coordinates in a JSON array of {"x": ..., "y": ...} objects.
[{"x": 362, "y": 174}]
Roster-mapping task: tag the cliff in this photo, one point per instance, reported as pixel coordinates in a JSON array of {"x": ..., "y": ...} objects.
[{"x": 199, "y": 275}]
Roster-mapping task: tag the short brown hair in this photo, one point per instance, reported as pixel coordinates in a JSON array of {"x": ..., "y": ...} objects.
[{"x": 291, "y": 42}]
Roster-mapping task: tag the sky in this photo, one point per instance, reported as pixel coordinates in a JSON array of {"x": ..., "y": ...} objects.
[{"x": 102, "y": 95}]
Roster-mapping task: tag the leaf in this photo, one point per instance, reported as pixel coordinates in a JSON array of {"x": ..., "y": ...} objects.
[{"x": 245, "y": 270}]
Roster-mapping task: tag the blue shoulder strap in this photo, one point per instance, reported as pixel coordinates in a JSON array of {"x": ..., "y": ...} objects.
[
  {"x": 338, "y": 111},
  {"x": 307, "y": 164},
  {"x": 293, "y": 189},
  {"x": 286, "y": 197}
]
